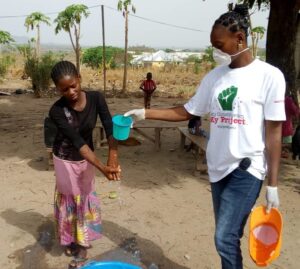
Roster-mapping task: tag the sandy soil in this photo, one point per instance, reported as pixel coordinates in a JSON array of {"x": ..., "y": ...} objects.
[{"x": 163, "y": 213}]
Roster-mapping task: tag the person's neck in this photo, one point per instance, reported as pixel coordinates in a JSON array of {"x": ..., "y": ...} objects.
[
  {"x": 79, "y": 104},
  {"x": 243, "y": 60}
]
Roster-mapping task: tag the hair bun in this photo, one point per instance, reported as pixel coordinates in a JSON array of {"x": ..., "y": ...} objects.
[{"x": 242, "y": 9}]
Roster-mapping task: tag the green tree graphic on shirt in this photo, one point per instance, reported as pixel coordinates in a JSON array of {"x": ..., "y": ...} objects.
[{"x": 226, "y": 98}]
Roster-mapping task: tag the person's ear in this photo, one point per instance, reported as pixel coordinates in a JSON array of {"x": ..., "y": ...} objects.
[{"x": 240, "y": 40}]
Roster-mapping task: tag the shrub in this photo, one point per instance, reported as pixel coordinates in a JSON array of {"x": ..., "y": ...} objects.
[
  {"x": 5, "y": 62},
  {"x": 208, "y": 59},
  {"x": 39, "y": 71}
]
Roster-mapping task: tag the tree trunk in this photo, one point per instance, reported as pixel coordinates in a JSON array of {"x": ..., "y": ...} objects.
[
  {"x": 124, "y": 88},
  {"x": 297, "y": 52},
  {"x": 252, "y": 36},
  {"x": 281, "y": 40},
  {"x": 38, "y": 51},
  {"x": 78, "y": 59},
  {"x": 77, "y": 50}
]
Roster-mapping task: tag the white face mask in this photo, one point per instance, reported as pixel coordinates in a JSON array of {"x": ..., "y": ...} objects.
[{"x": 223, "y": 58}]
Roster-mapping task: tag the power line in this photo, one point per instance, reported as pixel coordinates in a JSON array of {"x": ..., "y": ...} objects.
[
  {"x": 132, "y": 15},
  {"x": 159, "y": 22}
]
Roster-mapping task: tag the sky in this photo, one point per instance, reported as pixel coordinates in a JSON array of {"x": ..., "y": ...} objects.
[{"x": 198, "y": 15}]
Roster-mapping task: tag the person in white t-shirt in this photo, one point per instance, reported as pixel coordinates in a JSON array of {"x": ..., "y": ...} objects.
[{"x": 245, "y": 100}]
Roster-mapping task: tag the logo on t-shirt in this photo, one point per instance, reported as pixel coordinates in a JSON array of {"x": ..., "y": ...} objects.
[
  {"x": 227, "y": 118},
  {"x": 226, "y": 98}
]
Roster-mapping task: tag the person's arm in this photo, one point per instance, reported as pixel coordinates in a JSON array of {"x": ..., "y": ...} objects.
[
  {"x": 168, "y": 114},
  {"x": 112, "y": 160},
  {"x": 106, "y": 120},
  {"x": 273, "y": 151},
  {"x": 199, "y": 105},
  {"x": 89, "y": 155},
  {"x": 58, "y": 116},
  {"x": 142, "y": 86}
]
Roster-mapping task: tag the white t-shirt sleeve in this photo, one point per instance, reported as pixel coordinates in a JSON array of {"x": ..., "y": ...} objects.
[
  {"x": 199, "y": 104},
  {"x": 274, "y": 109}
]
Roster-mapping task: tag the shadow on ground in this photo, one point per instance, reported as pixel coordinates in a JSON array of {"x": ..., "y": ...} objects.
[{"x": 131, "y": 248}]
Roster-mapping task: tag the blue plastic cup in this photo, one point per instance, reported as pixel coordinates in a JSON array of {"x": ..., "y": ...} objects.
[
  {"x": 110, "y": 265},
  {"x": 121, "y": 127}
]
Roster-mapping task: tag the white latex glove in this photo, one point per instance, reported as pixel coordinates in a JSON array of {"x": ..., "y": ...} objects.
[
  {"x": 137, "y": 114},
  {"x": 272, "y": 198}
]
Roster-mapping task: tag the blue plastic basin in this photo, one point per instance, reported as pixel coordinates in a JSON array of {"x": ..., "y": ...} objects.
[
  {"x": 110, "y": 265},
  {"x": 121, "y": 127}
]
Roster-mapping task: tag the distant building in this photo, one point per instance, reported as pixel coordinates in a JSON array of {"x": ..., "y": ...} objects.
[{"x": 161, "y": 58}]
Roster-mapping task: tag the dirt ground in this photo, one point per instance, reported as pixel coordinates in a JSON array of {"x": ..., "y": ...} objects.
[{"x": 163, "y": 213}]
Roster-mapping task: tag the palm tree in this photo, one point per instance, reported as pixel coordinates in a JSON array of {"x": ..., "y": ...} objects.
[
  {"x": 33, "y": 21},
  {"x": 69, "y": 20},
  {"x": 123, "y": 6},
  {"x": 256, "y": 34}
]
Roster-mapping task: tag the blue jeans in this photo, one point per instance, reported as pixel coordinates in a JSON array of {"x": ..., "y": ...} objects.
[{"x": 233, "y": 198}]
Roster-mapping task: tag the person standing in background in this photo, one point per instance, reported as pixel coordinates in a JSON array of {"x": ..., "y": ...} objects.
[{"x": 148, "y": 86}]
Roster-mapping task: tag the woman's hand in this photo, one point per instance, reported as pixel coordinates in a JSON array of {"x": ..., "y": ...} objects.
[
  {"x": 111, "y": 173},
  {"x": 113, "y": 163}
]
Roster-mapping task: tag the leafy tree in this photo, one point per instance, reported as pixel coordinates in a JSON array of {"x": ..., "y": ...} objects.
[
  {"x": 124, "y": 5},
  {"x": 281, "y": 37},
  {"x": 33, "y": 21},
  {"x": 93, "y": 56},
  {"x": 69, "y": 20},
  {"x": 5, "y": 37}
]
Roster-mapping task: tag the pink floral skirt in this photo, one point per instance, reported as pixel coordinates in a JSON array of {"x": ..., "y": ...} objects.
[{"x": 77, "y": 215}]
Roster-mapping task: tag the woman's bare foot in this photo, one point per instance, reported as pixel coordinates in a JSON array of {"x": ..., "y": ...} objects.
[
  {"x": 82, "y": 252},
  {"x": 80, "y": 259},
  {"x": 71, "y": 250}
]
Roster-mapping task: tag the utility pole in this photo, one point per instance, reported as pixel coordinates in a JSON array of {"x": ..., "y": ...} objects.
[{"x": 103, "y": 49}]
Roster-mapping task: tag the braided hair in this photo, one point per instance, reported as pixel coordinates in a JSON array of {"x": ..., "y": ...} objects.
[
  {"x": 236, "y": 19},
  {"x": 63, "y": 68}
]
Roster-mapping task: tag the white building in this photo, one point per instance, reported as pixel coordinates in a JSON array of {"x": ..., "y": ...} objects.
[{"x": 160, "y": 58}]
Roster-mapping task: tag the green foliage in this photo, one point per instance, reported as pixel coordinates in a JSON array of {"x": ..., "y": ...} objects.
[
  {"x": 34, "y": 19},
  {"x": 208, "y": 58},
  {"x": 196, "y": 62},
  {"x": 93, "y": 57},
  {"x": 24, "y": 49},
  {"x": 39, "y": 70},
  {"x": 259, "y": 3},
  {"x": 5, "y": 62},
  {"x": 69, "y": 21},
  {"x": 70, "y": 17},
  {"x": 5, "y": 37},
  {"x": 169, "y": 50},
  {"x": 193, "y": 59},
  {"x": 260, "y": 30},
  {"x": 197, "y": 68},
  {"x": 123, "y": 5}
]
